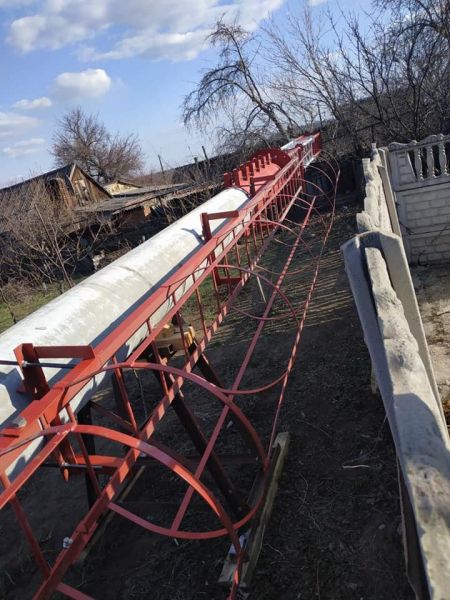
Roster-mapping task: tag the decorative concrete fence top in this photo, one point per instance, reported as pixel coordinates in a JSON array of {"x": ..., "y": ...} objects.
[
  {"x": 420, "y": 162},
  {"x": 420, "y": 178}
]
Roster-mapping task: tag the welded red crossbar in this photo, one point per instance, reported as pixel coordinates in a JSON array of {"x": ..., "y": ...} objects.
[{"x": 228, "y": 259}]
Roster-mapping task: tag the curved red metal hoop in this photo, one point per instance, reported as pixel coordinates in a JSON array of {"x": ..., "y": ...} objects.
[
  {"x": 173, "y": 465},
  {"x": 271, "y": 284},
  {"x": 290, "y": 230},
  {"x": 219, "y": 393}
]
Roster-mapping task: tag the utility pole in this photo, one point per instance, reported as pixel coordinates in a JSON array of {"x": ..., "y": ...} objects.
[
  {"x": 162, "y": 168},
  {"x": 208, "y": 164},
  {"x": 320, "y": 116},
  {"x": 206, "y": 156},
  {"x": 197, "y": 169}
]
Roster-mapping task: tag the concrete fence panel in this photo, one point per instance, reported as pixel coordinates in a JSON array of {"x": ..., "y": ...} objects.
[
  {"x": 420, "y": 178},
  {"x": 379, "y": 202},
  {"x": 379, "y": 277}
]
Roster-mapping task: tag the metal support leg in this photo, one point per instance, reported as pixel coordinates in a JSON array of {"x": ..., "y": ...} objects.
[
  {"x": 85, "y": 418},
  {"x": 200, "y": 441}
]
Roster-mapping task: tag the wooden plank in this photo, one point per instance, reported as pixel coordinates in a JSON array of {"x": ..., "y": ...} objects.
[{"x": 256, "y": 535}]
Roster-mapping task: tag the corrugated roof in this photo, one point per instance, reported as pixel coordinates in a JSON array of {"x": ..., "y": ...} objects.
[
  {"x": 154, "y": 189},
  {"x": 124, "y": 202}
]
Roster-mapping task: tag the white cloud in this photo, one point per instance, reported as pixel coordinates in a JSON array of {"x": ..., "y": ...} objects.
[
  {"x": 24, "y": 147},
  {"x": 91, "y": 83},
  {"x": 25, "y": 104},
  {"x": 46, "y": 31},
  {"x": 173, "y": 29},
  {"x": 316, "y": 2},
  {"x": 174, "y": 46},
  {"x": 13, "y": 124}
]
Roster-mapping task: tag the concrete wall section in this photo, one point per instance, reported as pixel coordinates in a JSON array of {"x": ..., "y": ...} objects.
[
  {"x": 427, "y": 221},
  {"x": 413, "y": 410},
  {"x": 379, "y": 206}
]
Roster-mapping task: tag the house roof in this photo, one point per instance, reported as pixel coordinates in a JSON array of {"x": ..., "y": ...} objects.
[
  {"x": 124, "y": 182},
  {"x": 65, "y": 172},
  {"x": 154, "y": 189},
  {"x": 17, "y": 199},
  {"x": 128, "y": 202}
]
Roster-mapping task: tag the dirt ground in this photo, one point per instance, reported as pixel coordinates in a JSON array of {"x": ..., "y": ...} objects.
[
  {"x": 432, "y": 285},
  {"x": 335, "y": 528}
]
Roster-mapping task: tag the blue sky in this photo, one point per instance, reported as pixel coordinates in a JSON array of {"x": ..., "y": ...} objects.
[{"x": 130, "y": 61}]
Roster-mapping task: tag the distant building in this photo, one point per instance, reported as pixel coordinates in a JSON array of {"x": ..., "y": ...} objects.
[
  {"x": 120, "y": 186},
  {"x": 69, "y": 185},
  {"x": 133, "y": 207}
]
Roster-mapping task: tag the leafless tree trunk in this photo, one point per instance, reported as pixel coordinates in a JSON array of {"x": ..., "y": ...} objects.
[{"x": 235, "y": 79}]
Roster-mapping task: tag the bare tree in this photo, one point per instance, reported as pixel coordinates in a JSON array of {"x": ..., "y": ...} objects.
[
  {"x": 383, "y": 79},
  {"x": 243, "y": 129},
  {"x": 85, "y": 139},
  {"x": 43, "y": 241},
  {"x": 409, "y": 14},
  {"x": 234, "y": 80}
]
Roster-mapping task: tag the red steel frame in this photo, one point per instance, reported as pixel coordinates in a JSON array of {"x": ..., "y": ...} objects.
[{"x": 275, "y": 181}]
